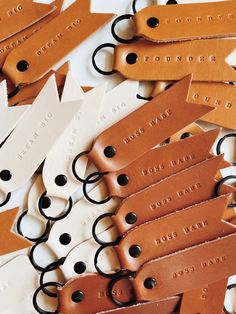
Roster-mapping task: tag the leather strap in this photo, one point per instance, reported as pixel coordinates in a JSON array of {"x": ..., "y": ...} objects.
[
  {"x": 188, "y": 187},
  {"x": 185, "y": 228},
  {"x": 93, "y": 289},
  {"x": 190, "y": 130},
  {"x": 205, "y": 59},
  {"x": 160, "y": 163},
  {"x": 186, "y": 21},
  {"x": 146, "y": 127},
  {"x": 9, "y": 241},
  {"x": 186, "y": 270},
  {"x": 166, "y": 306},
  {"x": 16, "y": 16},
  {"x": 205, "y": 300},
  {"x": 36, "y": 56},
  {"x": 14, "y": 41}
]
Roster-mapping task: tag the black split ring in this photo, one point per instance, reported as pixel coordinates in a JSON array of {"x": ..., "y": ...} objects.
[
  {"x": 113, "y": 32},
  {"x": 8, "y": 197},
  {"x": 88, "y": 181},
  {"x": 134, "y": 6},
  {"x": 220, "y": 142},
  {"x": 74, "y": 164},
  {"x": 106, "y": 45},
  {"x": 40, "y": 205},
  {"x": 219, "y": 185},
  {"x": 19, "y": 230},
  {"x": 101, "y": 217},
  {"x": 111, "y": 284},
  {"x": 35, "y": 296},
  {"x": 31, "y": 255}
]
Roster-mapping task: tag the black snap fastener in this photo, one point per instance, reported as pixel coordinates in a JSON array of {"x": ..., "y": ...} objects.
[
  {"x": 65, "y": 239},
  {"x": 79, "y": 268},
  {"x": 150, "y": 283},
  {"x": 131, "y": 58},
  {"x": 185, "y": 135},
  {"x": 46, "y": 202},
  {"x": 22, "y": 66},
  {"x": 123, "y": 179},
  {"x": 131, "y": 218},
  {"x": 77, "y": 296},
  {"x": 153, "y": 22},
  {"x": 5, "y": 175},
  {"x": 61, "y": 180},
  {"x": 110, "y": 151},
  {"x": 135, "y": 251}
]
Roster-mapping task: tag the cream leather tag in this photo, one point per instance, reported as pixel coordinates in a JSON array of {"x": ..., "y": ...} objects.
[
  {"x": 17, "y": 15},
  {"x": 78, "y": 224},
  {"x": 18, "y": 282},
  {"x": 9, "y": 117},
  {"x": 84, "y": 254},
  {"x": 34, "y": 136},
  {"x": 77, "y": 137}
]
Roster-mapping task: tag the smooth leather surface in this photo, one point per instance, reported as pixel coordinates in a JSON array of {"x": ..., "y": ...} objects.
[
  {"x": 205, "y": 59},
  {"x": 161, "y": 162},
  {"x": 146, "y": 127},
  {"x": 186, "y": 270},
  {"x": 190, "y": 186},
  {"x": 192, "y": 129},
  {"x": 187, "y": 21},
  {"x": 53, "y": 42},
  {"x": 10, "y": 241},
  {"x": 185, "y": 228}
]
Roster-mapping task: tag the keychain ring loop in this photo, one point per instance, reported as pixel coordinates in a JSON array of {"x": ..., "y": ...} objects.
[
  {"x": 101, "y": 217},
  {"x": 19, "y": 229},
  {"x": 101, "y": 273},
  {"x": 41, "y": 210},
  {"x": 232, "y": 286},
  {"x": 35, "y": 297},
  {"x": 144, "y": 98},
  {"x": 31, "y": 255},
  {"x": 74, "y": 164},
  {"x": 112, "y": 283},
  {"x": 219, "y": 185},
  {"x": 8, "y": 197},
  {"x": 51, "y": 267},
  {"x": 113, "y": 32},
  {"x": 134, "y": 3},
  {"x": 220, "y": 142},
  {"x": 106, "y": 45},
  {"x": 88, "y": 181}
]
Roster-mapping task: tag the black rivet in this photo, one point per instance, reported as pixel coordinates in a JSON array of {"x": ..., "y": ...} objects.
[
  {"x": 131, "y": 58},
  {"x": 185, "y": 135},
  {"x": 5, "y": 175},
  {"x": 110, "y": 151},
  {"x": 65, "y": 239},
  {"x": 171, "y": 2},
  {"x": 150, "y": 283},
  {"x": 79, "y": 268},
  {"x": 46, "y": 202},
  {"x": 153, "y": 22},
  {"x": 123, "y": 179},
  {"x": 61, "y": 180},
  {"x": 131, "y": 218},
  {"x": 22, "y": 66},
  {"x": 77, "y": 296},
  {"x": 135, "y": 251}
]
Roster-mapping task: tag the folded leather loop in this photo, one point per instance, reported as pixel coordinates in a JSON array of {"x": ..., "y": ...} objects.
[
  {"x": 221, "y": 141},
  {"x": 51, "y": 267},
  {"x": 184, "y": 270},
  {"x": 31, "y": 254},
  {"x": 232, "y": 286},
  {"x": 151, "y": 124},
  {"x": 35, "y": 297},
  {"x": 219, "y": 187},
  {"x": 19, "y": 229},
  {"x": 148, "y": 61},
  {"x": 113, "y": 32},
  {"x": 36, "y": 56},
  {"x": 190, "y": 186},
  {"x": 42, "y": 207},
  {"x": 160, "y": 23},
  {"x": 106, "y": 45}
]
